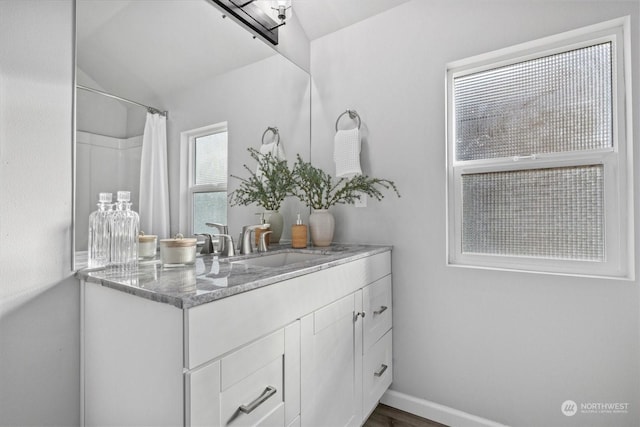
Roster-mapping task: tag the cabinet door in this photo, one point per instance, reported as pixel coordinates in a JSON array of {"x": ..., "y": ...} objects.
[{"x": 331, "y": 363}]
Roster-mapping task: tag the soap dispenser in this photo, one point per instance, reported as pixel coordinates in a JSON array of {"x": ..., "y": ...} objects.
[
  {"x": 298, "y": 234},
  {"x": 259, "y": 231}
]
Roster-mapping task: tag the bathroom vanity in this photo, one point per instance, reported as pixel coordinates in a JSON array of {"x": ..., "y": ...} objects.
[{"x": 287, "y": 338}]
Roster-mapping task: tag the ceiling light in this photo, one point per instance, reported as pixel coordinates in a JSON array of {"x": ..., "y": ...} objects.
[{"x": 281, "y": 7}]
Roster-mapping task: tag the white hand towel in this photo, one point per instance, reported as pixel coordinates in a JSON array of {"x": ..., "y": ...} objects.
[
  {"x": 275, "y": 149},
  {"x": 346, "y": 152}
]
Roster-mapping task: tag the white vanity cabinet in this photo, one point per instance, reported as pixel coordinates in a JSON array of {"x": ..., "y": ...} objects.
[
  {"x": 347, "y": 357},
  {"x": 311, "y": 350}
]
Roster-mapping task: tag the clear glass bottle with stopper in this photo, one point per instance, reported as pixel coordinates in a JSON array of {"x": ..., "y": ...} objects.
[
  {"x": 125, "y": 226},
  {"x": 99, "y": 245}
]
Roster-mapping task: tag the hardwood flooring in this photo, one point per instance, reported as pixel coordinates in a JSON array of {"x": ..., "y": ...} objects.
[{"x": 386, "y": 416}]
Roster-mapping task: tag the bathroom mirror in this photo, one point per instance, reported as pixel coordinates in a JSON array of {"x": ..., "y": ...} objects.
[{"x": 183, "y": 57}]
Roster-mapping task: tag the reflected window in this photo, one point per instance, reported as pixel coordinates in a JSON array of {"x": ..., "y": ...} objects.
[{"x": 207, "y": 173}]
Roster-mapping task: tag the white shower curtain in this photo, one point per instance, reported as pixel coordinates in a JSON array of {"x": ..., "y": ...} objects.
[{"x": 154, "y": 181}]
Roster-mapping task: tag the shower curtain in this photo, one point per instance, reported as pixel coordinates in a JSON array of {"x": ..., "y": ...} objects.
[{"x": 154, "y": 181}]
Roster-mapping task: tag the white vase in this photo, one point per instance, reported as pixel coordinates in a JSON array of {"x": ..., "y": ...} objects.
[
  {"x": 322, "y": 226},
  {"x": 276, "y": 222}
]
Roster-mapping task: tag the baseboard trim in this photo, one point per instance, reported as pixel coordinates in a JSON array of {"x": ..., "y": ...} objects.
[{"x": 434, "y": 411}]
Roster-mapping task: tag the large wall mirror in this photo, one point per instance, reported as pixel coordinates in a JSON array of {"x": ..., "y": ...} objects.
[{"x": 207, "y": 72}]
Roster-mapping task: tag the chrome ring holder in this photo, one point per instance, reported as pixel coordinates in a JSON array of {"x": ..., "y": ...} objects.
[
  {"x": 353, "y": 115},
  {"x": 276, "y": 134}
]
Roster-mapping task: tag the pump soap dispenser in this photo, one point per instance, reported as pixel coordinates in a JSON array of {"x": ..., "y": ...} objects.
[
  {"x": 298, "y": 234},
  {"x": 259, "y": 231}
]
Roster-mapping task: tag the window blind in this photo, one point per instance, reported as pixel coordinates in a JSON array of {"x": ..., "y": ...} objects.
[{"x": 211, "y": 160}]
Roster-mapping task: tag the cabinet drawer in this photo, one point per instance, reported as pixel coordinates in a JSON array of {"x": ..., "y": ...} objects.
[
  {"x": 249, "y": 359},
  {"x": 377, "y": 372},
  {"x": 255, "y": 400},
  {"x": 246, "y": 387},
  {"x": 252, "y": 380},
  {"x": 275, "y": 418},
  {"x": 377, "y": 306}
]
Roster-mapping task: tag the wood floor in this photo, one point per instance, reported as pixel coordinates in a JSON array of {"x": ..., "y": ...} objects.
[{"x": 386, "y": 416}]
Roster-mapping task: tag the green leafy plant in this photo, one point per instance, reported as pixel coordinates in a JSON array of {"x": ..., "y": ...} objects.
[
  {"x": 318, "y": 190},
  {"x": 267, "y": 190}
]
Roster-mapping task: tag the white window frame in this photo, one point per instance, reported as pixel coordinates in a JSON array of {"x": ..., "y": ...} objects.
[
  {"x": 187, "y": 168},
  {"x": 618, "y": 160}
]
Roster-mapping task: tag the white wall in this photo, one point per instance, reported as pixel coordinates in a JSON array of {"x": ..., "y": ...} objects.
[
  {"x": 39, "y": 300},
  {"x": 293, "y": 43},
  {"x": 505, "y": 346}
]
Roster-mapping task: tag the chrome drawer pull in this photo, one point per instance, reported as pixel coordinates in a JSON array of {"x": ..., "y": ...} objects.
[
  {"x": 382, "y": 310},
  {"x": 381, "y": 371},
  {"x": 267, "y": 393}
]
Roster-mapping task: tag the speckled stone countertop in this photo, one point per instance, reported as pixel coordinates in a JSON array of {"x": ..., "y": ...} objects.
[{"x": 212, "y": 277}]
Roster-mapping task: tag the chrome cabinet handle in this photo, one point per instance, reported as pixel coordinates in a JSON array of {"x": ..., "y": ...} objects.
[
  {"x": 381, "y": 370},
  {"x": 382, "y": 310},
  {"x": 267, "y": 393},
  {"x": 356, "y": 315}
]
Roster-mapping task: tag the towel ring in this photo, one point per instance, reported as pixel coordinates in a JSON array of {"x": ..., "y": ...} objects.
[
  {"x": 352, "y": 114},
  {"x": 276, "y": 134}
]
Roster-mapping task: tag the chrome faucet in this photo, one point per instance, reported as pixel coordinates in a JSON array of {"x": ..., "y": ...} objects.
[
  {"x": 245, "y": 237},
  {"x": 207, "y": 247},
  {"x": 262, "y": 244},
  {"x": 229, "y": 247},
  {"x": 222, "y": 229}
]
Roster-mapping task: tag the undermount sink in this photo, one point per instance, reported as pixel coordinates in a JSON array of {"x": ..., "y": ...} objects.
[{"x": 279, "y": 259}]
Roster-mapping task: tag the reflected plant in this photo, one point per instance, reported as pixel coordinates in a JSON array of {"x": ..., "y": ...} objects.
[{"x": 268, "y": 189}]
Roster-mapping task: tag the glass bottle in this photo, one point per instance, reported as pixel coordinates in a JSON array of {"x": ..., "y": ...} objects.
[
  {"x": 125, "y": 225},
  {"x": 99, "y": 246}
]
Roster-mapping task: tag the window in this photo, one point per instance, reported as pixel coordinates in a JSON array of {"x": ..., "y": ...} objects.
[
  {"x": 204, "y": 184},
  {"x": 539, "y": 156}
]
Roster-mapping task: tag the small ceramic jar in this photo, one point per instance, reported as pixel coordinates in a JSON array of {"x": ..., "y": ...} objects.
[
  {"x": 178, "y": 251},
  {"x": 147, "y": 245}
]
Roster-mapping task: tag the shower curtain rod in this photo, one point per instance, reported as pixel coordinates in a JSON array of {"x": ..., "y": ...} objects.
[{"x": 119, "y": 98}]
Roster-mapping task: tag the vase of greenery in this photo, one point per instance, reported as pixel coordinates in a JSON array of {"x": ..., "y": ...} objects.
[
  {"x": 318, "y": 190},
  {"x": 322, "y": 225},
  {"x": 267, "y": 187}
]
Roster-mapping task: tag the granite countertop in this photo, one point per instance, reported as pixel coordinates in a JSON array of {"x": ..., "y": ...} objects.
[{"x": 213, "y": 277}]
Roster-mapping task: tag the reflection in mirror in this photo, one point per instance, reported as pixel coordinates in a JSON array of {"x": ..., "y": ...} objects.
[
  {"x": 207, "y": 177},
  {"x": 183, "y": 57}
]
